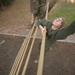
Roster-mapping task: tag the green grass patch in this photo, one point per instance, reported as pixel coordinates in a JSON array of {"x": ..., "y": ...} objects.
[{"x": 65, "y": 10}]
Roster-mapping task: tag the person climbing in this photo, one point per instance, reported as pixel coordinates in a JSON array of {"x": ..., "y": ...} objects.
[
  {"x": 55, "y": 31},
  {"x": 38, "y": 8}
]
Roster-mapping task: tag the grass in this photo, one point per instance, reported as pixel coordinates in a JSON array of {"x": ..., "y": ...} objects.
[{"x": 63, "y": 9}]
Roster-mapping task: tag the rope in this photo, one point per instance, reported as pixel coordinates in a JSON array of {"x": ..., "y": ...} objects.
[
  {"x": 22, "y": 58},
  {"x": 28, "y": 57},
  {"x": 20, "y": 53},
  {"x": 41, "y": 58}
]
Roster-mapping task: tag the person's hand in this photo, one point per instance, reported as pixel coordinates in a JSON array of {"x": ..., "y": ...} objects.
[{"x": 42, "y": 29}]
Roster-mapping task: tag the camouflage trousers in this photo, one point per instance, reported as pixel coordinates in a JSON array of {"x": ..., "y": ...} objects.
[{"x": 38, "y": 8}]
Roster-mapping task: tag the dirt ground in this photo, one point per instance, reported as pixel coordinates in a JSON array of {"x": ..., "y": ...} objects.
[
  {"x": 16, "y": 18},
  {"x": 58, "y": 61}
]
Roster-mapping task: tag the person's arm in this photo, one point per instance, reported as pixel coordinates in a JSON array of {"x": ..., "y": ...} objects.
[
  {"x": 65, "y": 32},
  {"x": 43, "y": 22}
]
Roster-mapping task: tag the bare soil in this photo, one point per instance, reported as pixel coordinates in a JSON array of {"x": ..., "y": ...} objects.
[
  {"x": 58, "y": 61},
  {"x": 16, "y": 18}
]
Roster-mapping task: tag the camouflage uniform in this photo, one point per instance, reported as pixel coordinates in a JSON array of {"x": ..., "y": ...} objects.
[{"x": 38, "y": 8}]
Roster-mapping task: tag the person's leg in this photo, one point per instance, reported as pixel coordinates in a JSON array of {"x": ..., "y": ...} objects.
[
  {"x": 42, "y": 9},
  {"x": 64, "y": 32},
  {"x": 34, "y": 7},
  {"x": 51, "y": 4}
]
